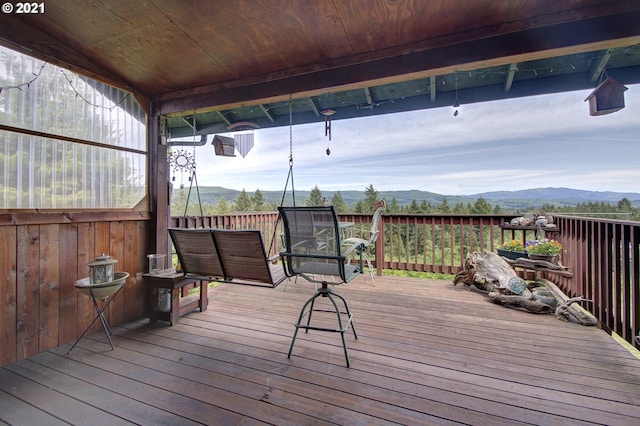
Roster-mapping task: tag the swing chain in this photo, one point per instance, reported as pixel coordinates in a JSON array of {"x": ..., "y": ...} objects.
[{"x": 290, "y": 131}]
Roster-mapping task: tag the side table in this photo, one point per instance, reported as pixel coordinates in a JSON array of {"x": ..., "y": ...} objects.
[
  {"x": 173, "y": 281},
  {"x": 105, "y": 292}
]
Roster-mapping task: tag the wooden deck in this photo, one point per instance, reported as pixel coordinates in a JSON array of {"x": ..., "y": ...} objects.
[{"x": 427, "y": 353}]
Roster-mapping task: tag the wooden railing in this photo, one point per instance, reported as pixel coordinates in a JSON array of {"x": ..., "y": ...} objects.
[{"x": 602, "y": 255}]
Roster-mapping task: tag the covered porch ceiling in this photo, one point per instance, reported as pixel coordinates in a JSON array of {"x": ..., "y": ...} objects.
[{"x": 235, "y": 65}]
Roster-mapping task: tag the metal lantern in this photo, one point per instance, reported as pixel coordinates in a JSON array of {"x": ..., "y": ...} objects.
[{"x": 101, "y": 269}]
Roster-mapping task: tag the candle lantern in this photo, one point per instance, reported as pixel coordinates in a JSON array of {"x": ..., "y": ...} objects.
[{"x": 101, "y": 269}]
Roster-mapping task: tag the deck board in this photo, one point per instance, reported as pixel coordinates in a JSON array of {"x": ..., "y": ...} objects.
[{"x": 427, "y": 352}]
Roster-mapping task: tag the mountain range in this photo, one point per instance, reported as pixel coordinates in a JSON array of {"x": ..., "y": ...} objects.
[{"x": 522, "y": 199}]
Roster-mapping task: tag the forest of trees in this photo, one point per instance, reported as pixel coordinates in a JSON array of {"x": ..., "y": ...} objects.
[{"x": 246, "y": 202}]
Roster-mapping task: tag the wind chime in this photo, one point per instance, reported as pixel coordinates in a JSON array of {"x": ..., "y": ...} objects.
[
  {"x": 327, "y": 126},
  {"x": 184, "y": 162}
]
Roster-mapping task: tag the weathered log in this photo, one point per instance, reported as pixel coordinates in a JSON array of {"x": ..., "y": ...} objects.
[
  {"x": 568, "y": 310},
  {"x": 490, "y": 272},
  {"x": 533, "y": 306}
]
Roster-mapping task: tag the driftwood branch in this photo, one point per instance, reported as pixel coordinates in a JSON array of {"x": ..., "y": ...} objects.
[
  {"x": 494, "y": 275},
  {"x": 533, "y": 306}
]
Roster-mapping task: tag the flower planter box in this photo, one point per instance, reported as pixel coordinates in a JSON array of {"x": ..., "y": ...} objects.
[
  {"x": 551, "y": 258},
  {"x": 513, "y": 255}
]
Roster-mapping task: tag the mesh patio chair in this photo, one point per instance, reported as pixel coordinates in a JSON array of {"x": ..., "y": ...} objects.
[
  {"x": 313, "y": 251},
  {"x": 365, "y": 245}
]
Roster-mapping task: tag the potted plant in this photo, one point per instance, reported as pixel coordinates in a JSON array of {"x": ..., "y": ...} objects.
[
  {"x": 513, "y": 250},
  {"x": 545, "y": 249}
]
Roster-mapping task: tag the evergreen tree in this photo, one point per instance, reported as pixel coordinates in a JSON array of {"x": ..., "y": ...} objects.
[
  {"x": 370, "y": 198},
  {"x": 481, "y": 206},
  {"x": 361, "y": 207},
  {"x": 460, "y": 208},
  {"x": 393, "y": 206},
  {"x": 413, "y": 207},
  {"x": 625, "y": 206},
  {"x": 222, "y": 207},
  {"x": 315, "y": 198},
  {"x": 257, "y": 200},
  {"x": 338, "y": 203},
  {"x": 243, "y": 202},
  {"x": 444, "y": 207},
  {"x": 425, "y": 207}
]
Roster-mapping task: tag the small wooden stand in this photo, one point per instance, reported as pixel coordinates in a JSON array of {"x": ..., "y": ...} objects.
[{"x": 173, "y": 281}]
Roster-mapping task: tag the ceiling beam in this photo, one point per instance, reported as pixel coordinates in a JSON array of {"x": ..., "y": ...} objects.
[
  {"x": 524, "y": 88},
  {"x": 572, "y": 37}
]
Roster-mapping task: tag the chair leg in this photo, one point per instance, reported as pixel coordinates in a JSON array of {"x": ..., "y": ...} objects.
[
  {"x": 325, "y": 292},
  {"x": 370, "y": 266},
  {"x": 300, "y": 317}
]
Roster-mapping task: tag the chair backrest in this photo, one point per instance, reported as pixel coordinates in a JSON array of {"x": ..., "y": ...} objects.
[
  {"x": 197, "y": 252},
  {"x": 242, "y": 254},
  {"x": 375, "y": 221},
  {"x": 234, "y": 256},
  {"x": 312, "y": 242}
]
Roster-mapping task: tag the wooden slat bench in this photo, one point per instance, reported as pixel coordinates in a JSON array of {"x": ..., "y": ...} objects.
[{"x": 232, "y": 256}]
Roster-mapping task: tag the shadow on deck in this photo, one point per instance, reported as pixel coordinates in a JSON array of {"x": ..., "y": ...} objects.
[{"x": 427, "y": 353}]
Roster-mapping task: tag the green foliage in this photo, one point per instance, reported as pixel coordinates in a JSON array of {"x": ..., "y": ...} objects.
[
  {"x": 257, "y": 201},
  {"x": 243, "y": 202},
  {"x": 315, "y": 198},
  {"x": 338, "y": 203},
  {"x": 370, "y": 197},
  {"x": 481, "y": 206}
]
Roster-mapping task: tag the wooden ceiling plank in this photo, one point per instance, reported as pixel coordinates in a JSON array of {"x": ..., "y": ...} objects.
[{"x": 573, "y": 37}]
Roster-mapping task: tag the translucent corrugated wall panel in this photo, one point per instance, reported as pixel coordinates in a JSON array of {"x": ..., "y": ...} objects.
[
  {"x": 67, "y": 175},
  {"x": 42, "y": 172}
]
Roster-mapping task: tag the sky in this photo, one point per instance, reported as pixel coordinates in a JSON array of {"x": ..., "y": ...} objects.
[{"x": 507, "y": 145}]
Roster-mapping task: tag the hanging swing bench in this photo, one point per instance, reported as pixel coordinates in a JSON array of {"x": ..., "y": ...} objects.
[
  {"x": 223, "y": 255},
  {"x": 230, "y": 256}
]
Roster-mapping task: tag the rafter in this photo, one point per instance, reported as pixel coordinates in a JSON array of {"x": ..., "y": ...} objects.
[
  {"x": 510, "y": 75},
  {"x": 266, "y": 112},
  {"x": 432, "y": 87},
  {"x": 599, "y": 65}
]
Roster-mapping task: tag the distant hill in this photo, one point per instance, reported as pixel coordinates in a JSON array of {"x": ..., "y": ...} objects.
[
  {"x": 519, "y": 200},
  {"x": 560, "y": 196}
]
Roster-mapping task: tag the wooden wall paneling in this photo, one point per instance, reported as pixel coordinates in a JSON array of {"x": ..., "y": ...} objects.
[
  {"x": 85, "y": 253},
  {"x": 49, "y": 314},
  {"x": 117, "y": 252},
  {"x": 102, "y": 245},
  {"x": 132, "y": 295},
  {"x": 68, "y": 276},
  {"x": 8, "y": 294},
  {"x": 28, "y": 290}
]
